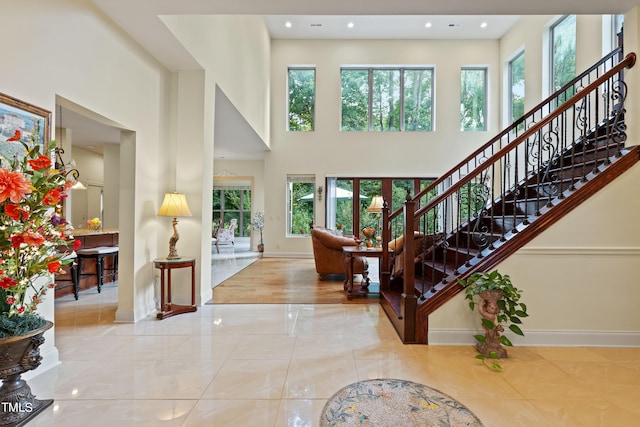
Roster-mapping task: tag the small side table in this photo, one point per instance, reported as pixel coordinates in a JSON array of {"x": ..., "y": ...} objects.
[
  {"x": 167, "y": 308},
  {"x": 349, "y": 252}
]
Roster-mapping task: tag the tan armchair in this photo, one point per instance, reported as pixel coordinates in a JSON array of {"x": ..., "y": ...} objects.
[{"x": 327, "y": 253}]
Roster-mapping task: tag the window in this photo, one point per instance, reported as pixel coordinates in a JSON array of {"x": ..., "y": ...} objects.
[
  {"x": 516, "y": 88},
  {"x": 473, "y": 99},
  {"x": 230, "y": 203},
  {"x": 302, "y": 90},
  {"x": 348, "y": 200},
  {"x": 387, "y": 99},
  {"x": 300, "y": 204},
  {"x": 617, "y": 22},
  {"x": 563, "y": 53}
]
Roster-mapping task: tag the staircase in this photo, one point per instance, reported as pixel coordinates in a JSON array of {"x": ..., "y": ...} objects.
[{"x": 506, "y": 193}]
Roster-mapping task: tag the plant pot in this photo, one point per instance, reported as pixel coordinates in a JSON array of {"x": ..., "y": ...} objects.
[
  {"x": 488, "y": 308},
  {"x": 260, "y": 247},
  {"x": 18, "y": 355}
]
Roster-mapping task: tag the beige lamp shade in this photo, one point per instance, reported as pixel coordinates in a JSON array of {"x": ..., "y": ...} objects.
[
  {"x": 175, "y": 205},
  {"x": 376, "y": 205}
]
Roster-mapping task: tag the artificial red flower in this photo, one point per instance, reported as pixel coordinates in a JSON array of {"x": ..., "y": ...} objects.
[
  {"x": 16, "y": 136},
  {"x": 13, "y": 186},
  {"x": 16, "y": 241},
  {"x": 42, "y": 162},
  {"x": 16, "y": 212},
  {"x": 33, "y": 239},
  {"x": 51, "y": 198},
  {"x": 7, "y": 282},
  {"x": 53, "y": 267},
  {"x": 10, "y": 300},
  {"x": 21, "y": 310},
  {"x": 76, "y": 245}
]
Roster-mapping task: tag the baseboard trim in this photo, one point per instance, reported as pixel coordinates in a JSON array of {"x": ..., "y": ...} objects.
[
  {"x": 544, "y": 338},
  {"x": 287, "y": 255}
]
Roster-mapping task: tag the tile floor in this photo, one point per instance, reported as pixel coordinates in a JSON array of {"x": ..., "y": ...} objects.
[{"x": 276, "y": 365}]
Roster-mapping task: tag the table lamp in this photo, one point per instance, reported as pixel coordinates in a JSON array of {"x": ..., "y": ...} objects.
[
  {"x": 376, "y": 207},
  {"x": 174, "y": 205}
]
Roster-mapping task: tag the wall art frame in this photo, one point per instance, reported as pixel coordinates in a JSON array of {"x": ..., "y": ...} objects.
[{"x": 27, "y": 119}]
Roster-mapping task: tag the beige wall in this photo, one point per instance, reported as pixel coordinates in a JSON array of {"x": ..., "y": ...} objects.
[{"x": 328, "y": 151}]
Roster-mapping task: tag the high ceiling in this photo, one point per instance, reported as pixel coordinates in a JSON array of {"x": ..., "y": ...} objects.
[{"x": 372, "y": 19}]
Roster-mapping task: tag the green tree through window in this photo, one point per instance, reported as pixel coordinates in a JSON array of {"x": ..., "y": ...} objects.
[
  {"x": 563, "y": 54},
  {"x": 387, "y": 99},
  {"x": 302, "y": 88},
  {"x": 516, "y": 88},
  {"x": 473, "y": 99}
]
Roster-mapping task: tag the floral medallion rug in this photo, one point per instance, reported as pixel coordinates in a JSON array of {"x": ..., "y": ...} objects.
[{"x": 391, "y": 402}]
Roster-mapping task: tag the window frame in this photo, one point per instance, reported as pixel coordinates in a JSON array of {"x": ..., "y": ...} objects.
[
  {"x": 241, "y": 212},
  {"x": 299, "y": 178},
  {"x": 401, "y": 96},
  {"x": 485, "y": 113},
  {"x": 552, "y": 52},
  {"x": 514, "y": 58},
  {"x": 313, "y": 104}
]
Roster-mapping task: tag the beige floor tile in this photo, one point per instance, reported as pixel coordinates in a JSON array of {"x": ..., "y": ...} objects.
[
  {"x": 109, "y": 413},
  {"x": 318, "y": 378},
  {"x": 248, "y": 379},
  {"x": 587, "y": 413},
  {"x": 300, "y": 412},
  {"x": 227, "y": 413}
]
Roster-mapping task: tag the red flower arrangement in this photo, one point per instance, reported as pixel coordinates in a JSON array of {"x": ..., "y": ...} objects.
[{"x": 33, "y": 236}]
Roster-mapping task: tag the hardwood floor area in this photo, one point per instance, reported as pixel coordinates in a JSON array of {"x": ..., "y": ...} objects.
[{"x": 285, "y": 281}]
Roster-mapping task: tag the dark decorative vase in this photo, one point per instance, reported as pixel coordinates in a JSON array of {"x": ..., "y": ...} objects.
[
  {"x": 260, "y": 247},
  {"x": 17, "y": 356}
]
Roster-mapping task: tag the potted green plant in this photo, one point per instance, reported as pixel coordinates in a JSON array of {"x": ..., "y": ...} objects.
[
  {"x": 33, "y": 242},
  {"x": 499, "y": 307},
  {"x": 258, "y": 224}
]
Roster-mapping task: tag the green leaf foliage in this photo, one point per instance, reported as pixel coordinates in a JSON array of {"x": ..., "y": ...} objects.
[{"x": 511, "y": 310}]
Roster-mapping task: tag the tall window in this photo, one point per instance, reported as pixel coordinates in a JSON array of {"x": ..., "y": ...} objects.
[
  {"x": 302, "y": 98},
  {"x": 617, "y": 22},
  {"x": 300, "y": 204},
  {"x": 473, "y": 99},
  {"x": 563, "y": 52},
  {"x": 387, "y": 99},
  {"x": 516, "y": 88},
  {"x": 230, "y": 203}
]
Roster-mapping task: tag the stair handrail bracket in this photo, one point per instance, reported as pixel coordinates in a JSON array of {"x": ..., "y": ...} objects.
[{"x": 510, "y": 189}]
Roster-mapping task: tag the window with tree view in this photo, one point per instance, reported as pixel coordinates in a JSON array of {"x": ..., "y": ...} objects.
[
  {"x": 563, "y": 54},
  {"x": 387, "y": 99},
  {"x": 473, "y": 99},
  {"x": 302, "y": 91},
  {"x": 300, "y": 204},
  {"x": 516, "y": 89}
]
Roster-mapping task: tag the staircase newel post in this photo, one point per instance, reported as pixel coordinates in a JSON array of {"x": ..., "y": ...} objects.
[
  {"x": 385, "y": 273},
  {"x": 409, "y": 300}
]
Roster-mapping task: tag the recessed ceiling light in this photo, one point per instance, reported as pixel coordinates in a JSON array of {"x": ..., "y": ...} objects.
[
  {"x": 287, "y": 24},
  {"x": 428, "y": 25},
  {"x": 350, "y": 25},
  {"x": 483, "y": 25}
]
